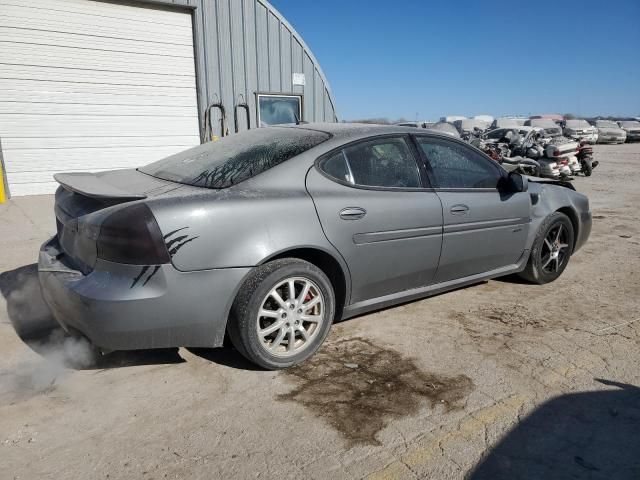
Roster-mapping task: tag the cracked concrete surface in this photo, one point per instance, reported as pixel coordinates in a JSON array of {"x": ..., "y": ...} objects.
[{"x": 554, "y": 371}]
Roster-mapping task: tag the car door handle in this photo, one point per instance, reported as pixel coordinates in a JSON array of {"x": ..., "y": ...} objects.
[
  {"x": 459, "y": 209},
  {"x": 352, "y": 213}
]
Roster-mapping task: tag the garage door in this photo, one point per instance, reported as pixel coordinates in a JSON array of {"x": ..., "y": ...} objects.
[{"x": 90, "y": 86}]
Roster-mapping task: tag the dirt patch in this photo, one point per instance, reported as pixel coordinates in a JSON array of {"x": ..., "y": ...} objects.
[
  {"x": 359, "y": 387},
  {"x": 499, "y": 320}
]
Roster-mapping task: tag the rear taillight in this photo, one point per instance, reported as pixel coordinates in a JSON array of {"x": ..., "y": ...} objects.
[{"x": 131, "y": 235}]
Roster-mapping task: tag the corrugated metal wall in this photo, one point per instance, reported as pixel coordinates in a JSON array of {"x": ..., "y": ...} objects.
[{"x": 244, "y": 47}]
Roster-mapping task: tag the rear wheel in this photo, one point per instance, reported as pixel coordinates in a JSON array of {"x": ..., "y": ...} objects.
[
  {"x": 282, "y": 313},
  {"x": 587, "y": 168},
  {"x": 551, "y": 250}
]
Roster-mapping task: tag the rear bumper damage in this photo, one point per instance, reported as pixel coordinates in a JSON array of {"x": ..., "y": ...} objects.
[{"x": 128, "y": 307}]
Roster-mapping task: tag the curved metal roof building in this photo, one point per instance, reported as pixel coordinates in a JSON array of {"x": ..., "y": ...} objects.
[{"x": 98, "y": 85}]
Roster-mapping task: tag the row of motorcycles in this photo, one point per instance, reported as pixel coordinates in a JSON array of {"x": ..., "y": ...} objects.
[{"x": 536, "y": 155}]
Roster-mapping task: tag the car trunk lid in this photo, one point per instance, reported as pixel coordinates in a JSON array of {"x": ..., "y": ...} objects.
[{"x": 84, "y": 194}]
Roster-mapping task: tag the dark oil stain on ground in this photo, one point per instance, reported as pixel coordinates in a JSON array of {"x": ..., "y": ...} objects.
[{"x": 359, "y": 387}]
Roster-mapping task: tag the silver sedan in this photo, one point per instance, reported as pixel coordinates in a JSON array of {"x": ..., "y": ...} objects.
[{"x": 271, "y": 235}]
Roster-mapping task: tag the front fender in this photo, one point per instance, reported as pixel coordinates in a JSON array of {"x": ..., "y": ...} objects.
[{"x": 547, "y": 199}]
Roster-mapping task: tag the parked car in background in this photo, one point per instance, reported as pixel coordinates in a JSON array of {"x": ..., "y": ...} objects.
[
  {"x": 452, "y": 118},
  {"x": 551, "y": 128},
  {"x": 610, "y": 132},
  {"x": 470, "y": 125},
  {"x": 412, "y": 124},
  {"x": 497, "y": 134},
  {"x": 580, "y": 129},
  {"x": 485, "y": 118},
  {"x": 445, "y": 127},
  {"x": 632, "y": 127},
  {"x": 506, "y": 122},
  {"x": 556, "y": 117},
  {"x": 201, "y": 244}
]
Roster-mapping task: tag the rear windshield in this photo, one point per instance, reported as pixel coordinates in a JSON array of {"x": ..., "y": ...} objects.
[{"x": 235, "y": 158}]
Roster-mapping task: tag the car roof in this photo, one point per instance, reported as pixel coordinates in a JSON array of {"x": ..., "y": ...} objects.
[{"x": 343, "y": 130}]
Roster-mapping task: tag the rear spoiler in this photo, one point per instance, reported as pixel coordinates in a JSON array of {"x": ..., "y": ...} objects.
[{"x": 91, "y": 185}]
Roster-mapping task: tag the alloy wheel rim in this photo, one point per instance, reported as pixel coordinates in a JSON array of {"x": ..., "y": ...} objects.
[
  {"x": 555, "y": 249},
  {"x": 290, "y": 316}
]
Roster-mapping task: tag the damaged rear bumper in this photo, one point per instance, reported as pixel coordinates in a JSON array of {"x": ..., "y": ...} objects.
[{"x": 128, "y": 307}]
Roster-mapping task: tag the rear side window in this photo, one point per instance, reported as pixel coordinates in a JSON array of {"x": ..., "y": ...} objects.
[
  {"x": 235, "y": 158},
  {"x": 384, "y": 162},
  {"x": 336, "y": 166},
  {"x": 455, "y": 166}
]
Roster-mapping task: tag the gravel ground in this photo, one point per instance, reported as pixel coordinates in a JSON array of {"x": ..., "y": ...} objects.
[{"x": 499, "y": 380}]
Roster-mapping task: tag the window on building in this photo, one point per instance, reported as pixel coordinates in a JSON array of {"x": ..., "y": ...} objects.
[{"x": 279, "y": 109}]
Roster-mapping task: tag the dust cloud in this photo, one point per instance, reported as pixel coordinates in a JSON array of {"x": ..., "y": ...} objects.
[
  {"x": 57, "y": 353},
  {"x": 35, "y": 374}
]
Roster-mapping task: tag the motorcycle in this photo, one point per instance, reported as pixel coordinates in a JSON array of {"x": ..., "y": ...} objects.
[
  {"x": 585, "y": 157},
  {"x": 501, "y": 153}
]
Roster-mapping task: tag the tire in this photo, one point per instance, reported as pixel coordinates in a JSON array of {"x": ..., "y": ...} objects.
[
  {"x": 542, "y": 267},
  {"x": 256, "y": 296},
  {"x": 587, "y": 168}
]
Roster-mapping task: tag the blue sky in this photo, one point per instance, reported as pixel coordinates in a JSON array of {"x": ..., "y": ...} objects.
[{"x": 407, "y": 57}]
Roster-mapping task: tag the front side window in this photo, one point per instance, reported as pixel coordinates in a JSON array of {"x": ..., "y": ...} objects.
[
  {"x": 279, "y": 109},
  {"x": 235, "y": 158},
  {"x": 385, "y": 162},
  {"x": 455, "y": 166}
]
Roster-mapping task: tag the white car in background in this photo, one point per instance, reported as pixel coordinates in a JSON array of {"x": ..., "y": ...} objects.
[
  {"x": 551, "y": 128},
  {"x": 610, "y": 132},
  {"x": 506, "y": 122},
  {"x": 452, "y": 118},
  {"x": 579, "y": 129},
  {"x": 632, "y": 127},
  {"x": 470, "y": 125},
  {"x": 445, "y": 127},
  {"x": 485, "y": 118}
]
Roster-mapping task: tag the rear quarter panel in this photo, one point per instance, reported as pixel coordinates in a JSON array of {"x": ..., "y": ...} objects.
[{"x": 244, "y": 225}]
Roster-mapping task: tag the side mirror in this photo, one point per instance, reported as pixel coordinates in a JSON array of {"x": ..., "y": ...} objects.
[{"x": 517, "y": 183}]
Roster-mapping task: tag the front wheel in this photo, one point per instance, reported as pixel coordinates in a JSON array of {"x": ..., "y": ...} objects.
[
  {"x": 551, "y": 250},
  {"x": 282, "y": 313}
]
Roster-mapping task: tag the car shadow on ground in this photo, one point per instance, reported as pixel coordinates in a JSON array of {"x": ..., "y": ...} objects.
[
  {"x": 227, "y": 356},
  {"x": 581, "y": 435},
  {"x": 513, "y": 278},
  {"x": 36, "y": 327}
]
